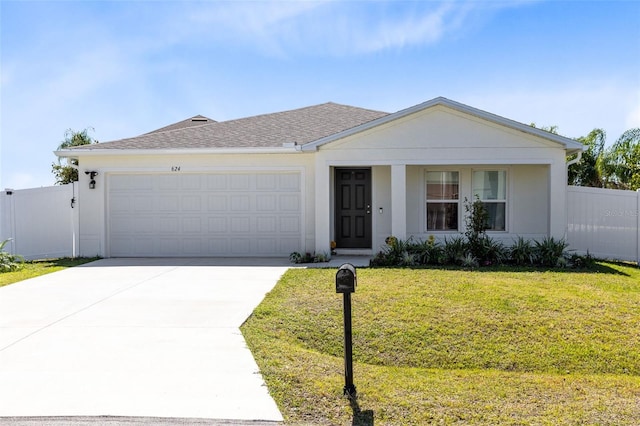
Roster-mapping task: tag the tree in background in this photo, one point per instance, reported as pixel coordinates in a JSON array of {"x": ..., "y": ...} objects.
[
  {"x": 587, "y": 172},
  {"x": 616, "y": 167},
  {"x": 620, "y": 164},
  {"x": 67, "y": 173},
  {"x": 550, "y": 129}
]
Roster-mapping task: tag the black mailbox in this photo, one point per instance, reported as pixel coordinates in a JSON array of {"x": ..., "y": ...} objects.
[{"x": 346, "y": 280}]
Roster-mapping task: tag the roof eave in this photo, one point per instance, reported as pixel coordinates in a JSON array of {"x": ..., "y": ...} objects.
[{"x": 73, "y": 153}]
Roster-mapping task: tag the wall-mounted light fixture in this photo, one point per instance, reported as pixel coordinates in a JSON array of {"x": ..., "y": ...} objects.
[{"x": 92, "y": 182}]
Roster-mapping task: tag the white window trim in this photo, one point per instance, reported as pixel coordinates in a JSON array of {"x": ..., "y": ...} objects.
[
  {"x": 425, "y": 200},
  {"x": 507, "y": 193}
]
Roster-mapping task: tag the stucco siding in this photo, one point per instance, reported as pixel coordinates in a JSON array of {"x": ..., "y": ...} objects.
[
  {"x": 381, "y": 176},
  {"x": 415, "y": 211},
  {"x": 530, "y": 201}
]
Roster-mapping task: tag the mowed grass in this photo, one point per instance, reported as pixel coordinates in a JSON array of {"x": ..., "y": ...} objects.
[
  {"x": 36, "y": 268},
  {"x": 449, "y": 346}
]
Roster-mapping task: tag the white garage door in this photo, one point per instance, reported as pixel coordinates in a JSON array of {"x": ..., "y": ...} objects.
[{"x": 213, "y": 214}]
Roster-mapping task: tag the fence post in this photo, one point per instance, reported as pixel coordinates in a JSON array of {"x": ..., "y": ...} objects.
[
  {"x": 638, "y": 228},
  {"x": 74, "y": 219},
  {"x": 7, "y": 220}
]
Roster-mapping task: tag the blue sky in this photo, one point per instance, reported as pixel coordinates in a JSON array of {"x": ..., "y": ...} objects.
[{"x": 128, "y": 67}]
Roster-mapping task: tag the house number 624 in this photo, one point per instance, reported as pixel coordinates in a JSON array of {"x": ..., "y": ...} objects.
[{"x": 175, "y": 168}]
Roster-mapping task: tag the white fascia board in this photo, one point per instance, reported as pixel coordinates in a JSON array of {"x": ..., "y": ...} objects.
[
  {"x": 442, "y": 162},
  {"x": 186, "y": 151},
  {"x": 570, "y": 145}
]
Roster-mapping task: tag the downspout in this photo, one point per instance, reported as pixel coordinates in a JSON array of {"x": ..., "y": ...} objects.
[
  {"x": 73, "y": 166},
  {"x": 575, "y": 160}
]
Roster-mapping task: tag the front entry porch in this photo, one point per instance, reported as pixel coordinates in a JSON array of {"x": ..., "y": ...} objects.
[{"x": 363, "y": 204}]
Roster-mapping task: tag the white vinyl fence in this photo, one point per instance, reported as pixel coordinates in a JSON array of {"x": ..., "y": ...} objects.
[
  {"x": 41, "y": 221},
  {"x": 604, "y": 222}
]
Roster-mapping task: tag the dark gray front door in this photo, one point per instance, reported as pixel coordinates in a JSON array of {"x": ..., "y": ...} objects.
[{"x": 353, "y": 208}]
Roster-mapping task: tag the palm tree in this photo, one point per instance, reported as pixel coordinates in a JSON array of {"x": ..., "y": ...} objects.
[{"x": 620, "y": 164}]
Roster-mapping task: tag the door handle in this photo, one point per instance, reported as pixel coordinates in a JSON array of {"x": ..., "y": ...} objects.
[{"x": 368, "y": 208}]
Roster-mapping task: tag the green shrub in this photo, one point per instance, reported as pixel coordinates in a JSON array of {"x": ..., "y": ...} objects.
[
  {"x": 409, "y": 259},
  {"x": 577, "y": 261},
  {"x": 469, "y": 261},
  {"x": 396, "y": 253},
  {"x": 492, "y": 252},
  {"x": 522, "y": 252},
  {"x": 9, "y": 262},
  {"x": 321, "y": 257},
  {"x": 550, "y": 252},
  {"x": 429, "y": 252},
  {"x": 381, "y": 260},
  {"x": 475, "y": 226},
  {"x": 297, "y": 257},
  {"x": 455, "y": 249}
]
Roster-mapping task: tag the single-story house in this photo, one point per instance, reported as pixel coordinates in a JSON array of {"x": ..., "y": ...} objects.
[{"x": 297, "y": 180}]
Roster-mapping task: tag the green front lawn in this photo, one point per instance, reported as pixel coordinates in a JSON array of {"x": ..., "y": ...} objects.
[
  {"x": 40, "y": 267},
  {"x": 501, "y": 346}
]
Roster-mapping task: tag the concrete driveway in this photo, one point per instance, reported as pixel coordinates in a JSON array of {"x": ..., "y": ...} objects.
[{"x": 136, "y": 337}]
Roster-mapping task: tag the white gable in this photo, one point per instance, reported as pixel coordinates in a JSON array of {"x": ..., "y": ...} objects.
[{"x": 440, "y": 134}]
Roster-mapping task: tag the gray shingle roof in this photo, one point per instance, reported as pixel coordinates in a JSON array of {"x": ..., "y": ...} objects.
[
  {"x": 197, "y": 120},
  {"x": 302, "y": 126}
]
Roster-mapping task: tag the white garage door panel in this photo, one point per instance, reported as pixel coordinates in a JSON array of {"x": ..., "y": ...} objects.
[{"x": 239, "y": 214}]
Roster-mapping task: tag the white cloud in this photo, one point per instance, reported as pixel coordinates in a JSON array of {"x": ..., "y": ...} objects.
[
  {"x": 264, "y": 24},
  {"x": 409, "y": 29},
  {"x": 334, "y": 28}
]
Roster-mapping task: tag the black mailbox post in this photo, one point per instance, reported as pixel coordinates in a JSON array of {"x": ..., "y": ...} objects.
[{"x": 346, "y": 282}]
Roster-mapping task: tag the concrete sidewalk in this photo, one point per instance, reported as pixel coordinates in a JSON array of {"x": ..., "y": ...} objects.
[{"x": 155, "y": 338}]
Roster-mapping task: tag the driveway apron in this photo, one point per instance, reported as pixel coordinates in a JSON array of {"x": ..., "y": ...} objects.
[{"x": 136, "y": 337}]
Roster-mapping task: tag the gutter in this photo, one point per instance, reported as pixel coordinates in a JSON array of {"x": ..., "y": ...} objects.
[{"x": 75, "y": 153}]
